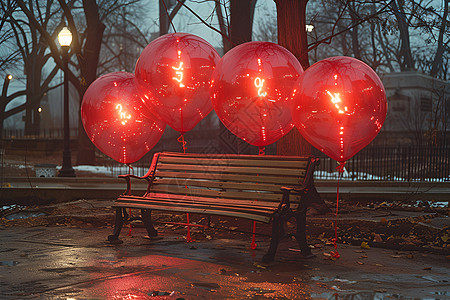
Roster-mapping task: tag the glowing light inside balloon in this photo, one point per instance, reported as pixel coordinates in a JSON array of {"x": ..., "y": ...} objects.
[
  {"x": 336, "y": 99},
  {"x": 123, "y": 115},
  {"x": 179, "y": 73},
  {"x": 259, "y": 83}
]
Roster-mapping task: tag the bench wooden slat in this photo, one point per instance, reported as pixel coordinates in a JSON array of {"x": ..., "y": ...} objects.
[
  {"x": 234, "y": 156},
  {"x": 267, "y": 162},
  {"x": 209, "y": 202},
  {"x": 281, "y": 180},
  {"x": 205, "y": 209},
  {"x": 264, "y": 219},
  {"x": 220, "y": 184},
  {"x": 234, "y": 170},
  {"x": 216, "y": 194}
]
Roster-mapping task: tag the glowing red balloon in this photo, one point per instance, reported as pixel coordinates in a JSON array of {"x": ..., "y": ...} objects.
[
  {"x": 117, "y": 121},
  {"x": 339, "y": 106},
  {"x": 173, "y": 74},
  {"x": 251, "y": 89}
]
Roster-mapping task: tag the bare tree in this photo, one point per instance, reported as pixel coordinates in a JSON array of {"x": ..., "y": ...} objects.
[
  {"x": 32, "y": 50},
  {"x": 291, "y": 23}
]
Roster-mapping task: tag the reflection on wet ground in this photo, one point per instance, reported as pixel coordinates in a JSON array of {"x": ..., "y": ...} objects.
[{"x": 73, "y": 263}]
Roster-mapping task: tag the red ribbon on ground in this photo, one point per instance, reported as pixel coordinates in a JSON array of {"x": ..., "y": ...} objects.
[
  {"x": 130, "y": 171},
  {"x": 188, "y": 236}
]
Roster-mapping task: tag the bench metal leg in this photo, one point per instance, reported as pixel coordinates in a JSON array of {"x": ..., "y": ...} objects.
[
  {"x": 146, "y": 215},
  {"x": 114, "y": 238},
  {"x": 300, "y": 235},
  {"x": 277, "y": 235}
]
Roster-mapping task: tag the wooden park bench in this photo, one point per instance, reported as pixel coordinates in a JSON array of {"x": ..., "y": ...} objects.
[{"x": 255, "y": 187}]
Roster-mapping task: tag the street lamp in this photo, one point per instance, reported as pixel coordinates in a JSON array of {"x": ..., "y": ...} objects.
[{"x": 65, "y": 39}]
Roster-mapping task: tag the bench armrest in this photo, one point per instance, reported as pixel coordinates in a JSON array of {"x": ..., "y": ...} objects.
[
  {"x": 285, "y": 201},
  {"x": 149, "y": 177}
]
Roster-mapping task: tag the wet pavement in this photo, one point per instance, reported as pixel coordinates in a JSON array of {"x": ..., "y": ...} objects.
[{"x": 69, "y": 262}]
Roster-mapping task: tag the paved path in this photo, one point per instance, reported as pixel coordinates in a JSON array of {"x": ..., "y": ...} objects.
[{"x": 63, "y": 263}]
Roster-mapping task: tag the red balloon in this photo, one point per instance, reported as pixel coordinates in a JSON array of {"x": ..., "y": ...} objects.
[
  {"x": 251, "y": 88},
  {"x": 339, "y": 106},
  {"x": 173, "y": 74},
  {"x": 117, "y": 121}
]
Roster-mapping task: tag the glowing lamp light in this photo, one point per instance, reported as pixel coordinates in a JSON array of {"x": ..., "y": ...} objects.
[
  {"x": 9, "y": 77},
  {"x": 250, "y": 91},
  {"x": 65, "y": 37},
  {"x": 339, "y": 106}
]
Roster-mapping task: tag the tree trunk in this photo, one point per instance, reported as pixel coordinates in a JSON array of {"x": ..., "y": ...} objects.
[
  {"x": 88, "y": 63},
  {"x": 437, "y": 62},
  {"x": 241, "y": 20},
  {"x": 355, "y": 35},
  {"x": 163, "y": 18},
  {"x": 405, "y": 47},
  {"x": 291, "y": 21}
]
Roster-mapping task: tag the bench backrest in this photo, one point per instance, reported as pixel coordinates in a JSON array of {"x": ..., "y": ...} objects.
[{"x": 235, "y": 177}]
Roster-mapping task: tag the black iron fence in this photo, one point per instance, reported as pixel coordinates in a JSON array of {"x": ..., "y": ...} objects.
[
  {"x": 374, "y": 163},
  {"x": 44, "y": 133},
  {"x": 392, "y": 163}
]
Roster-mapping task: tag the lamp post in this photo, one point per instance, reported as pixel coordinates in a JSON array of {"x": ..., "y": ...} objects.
[
  {"x": 64, "y": 39},
  {"x": 3, "y": 101}
]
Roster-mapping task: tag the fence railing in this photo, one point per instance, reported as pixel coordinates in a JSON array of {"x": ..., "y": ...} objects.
[
  {"x": 392, "y": 163},
  {"x": 49, "y": 133},
  {"x": 374, "y": 163}
]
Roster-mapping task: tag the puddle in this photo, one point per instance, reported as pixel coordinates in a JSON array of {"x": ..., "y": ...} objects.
[
  {"x": 159, "y": 293},
  {"x": 260, "y": 291},
  {"x": 361, "y": 295},
  {"x": 442, "y": 293},
  {"x": 10, "y": 263},
  {"x": 24, "y": 215},
  {"x": 334, "y": 279},
  {"x": 207, "y": 286}
]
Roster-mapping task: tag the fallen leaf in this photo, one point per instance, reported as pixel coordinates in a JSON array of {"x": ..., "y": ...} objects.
[
  {"x": 363, "y": 256},
  {"x": 258, "y": 265},
  {"x": 427, "y": 268},
  {"x": 359, "y": 263},
  {"x": 377, "y": 238},
  {"x": 365, "y": 245}
]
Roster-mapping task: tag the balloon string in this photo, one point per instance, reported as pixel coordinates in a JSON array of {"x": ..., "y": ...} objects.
[
  {"x": 183, "y": 142},
  {"x": 253, "y": 244},
  {"x": 130, "y": 169},
  {"x": 262, "y": 150},
  {"x": 188, "y": 236},
  {"x": 340, "y": 168}
]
